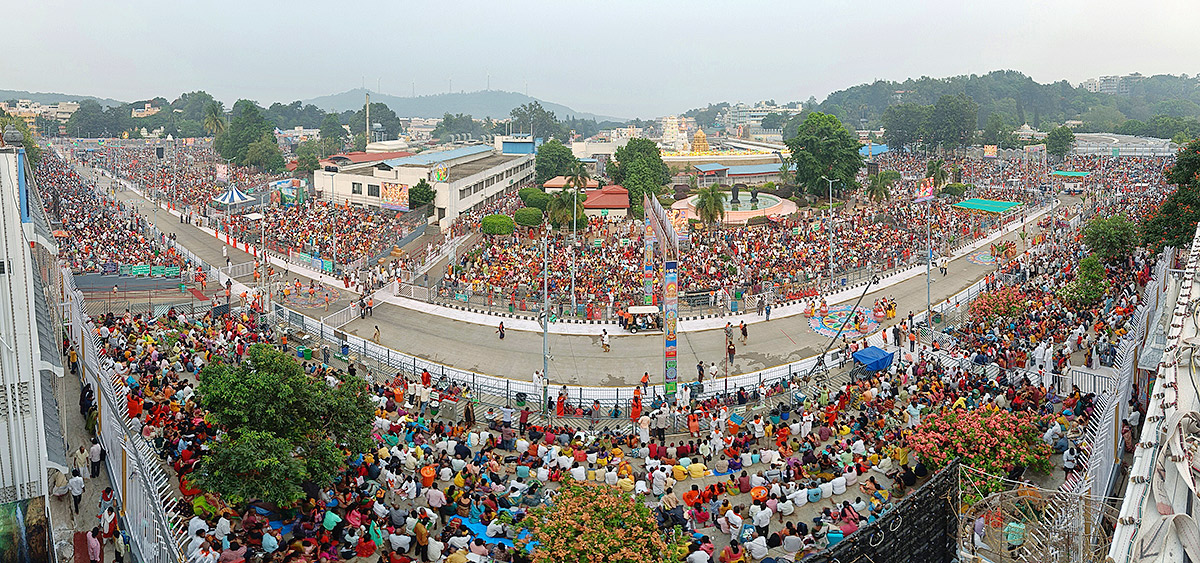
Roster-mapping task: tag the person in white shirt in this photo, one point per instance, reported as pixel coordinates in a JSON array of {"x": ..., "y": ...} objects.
[
  {"x": 757, "y": 547},
  {"x": 762, "y": 520},
  {"x": 578, "y": 473},
  {"x": 735, "y": 523}
]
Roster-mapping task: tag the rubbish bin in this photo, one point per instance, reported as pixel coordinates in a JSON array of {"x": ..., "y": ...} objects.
[
  {"x": 300, "y": 352},
  {"x": 308, "y": 353},
  {"x": 520, "y": 398},
  {"x": 345, "y": 348},
  {"x": 733, "y": 306}
]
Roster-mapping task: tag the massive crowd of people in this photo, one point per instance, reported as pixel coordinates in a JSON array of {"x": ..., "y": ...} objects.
[
  {"x": 100, "y": 231},
  {"x": 187, "y": 175},
  {"x": 785, "y": 481}
]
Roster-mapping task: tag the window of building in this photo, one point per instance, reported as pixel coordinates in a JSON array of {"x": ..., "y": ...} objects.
[
  {"x": 373, "y": 190},
  {"x": 356, "y": 188}
]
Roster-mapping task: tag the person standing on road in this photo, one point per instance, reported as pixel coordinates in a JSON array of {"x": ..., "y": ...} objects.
[
  {"x": 728, "y": 332},
  {"x": 729, "y": 351},
  {"x": 742, "y": 328},
  {"x": 75, "y": 486},
  {"x": 500, "y": 331},
  {"x": 604, "y": 340},
  {"x": 94, "y": 456},
  {"x": 768, "y": 310},
  {"x": 375, "y": 338}
]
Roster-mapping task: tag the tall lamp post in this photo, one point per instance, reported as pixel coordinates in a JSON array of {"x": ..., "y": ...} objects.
[
  {"x": 545, "y": 317},
  {"x": 574, "y": 243},
  {"x": 830, "y": 229}
]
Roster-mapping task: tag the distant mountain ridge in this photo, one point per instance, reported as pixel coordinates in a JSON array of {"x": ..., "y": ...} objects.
[
  {"x": 484, "y": 103},
  {"x": 55, "y": 97}
]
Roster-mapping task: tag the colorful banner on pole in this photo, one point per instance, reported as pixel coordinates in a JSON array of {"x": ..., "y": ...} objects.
[
  {"x": 670, "y": 322},
  {"x": 648, "y": 263},
  {"x": 990, "y": 151}
]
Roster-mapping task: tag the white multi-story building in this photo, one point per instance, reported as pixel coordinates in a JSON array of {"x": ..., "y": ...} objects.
[
  {"x": 464, "y": 179},
  {"x": 30, "y": 435},
  {"x": 746, "y": 116}
]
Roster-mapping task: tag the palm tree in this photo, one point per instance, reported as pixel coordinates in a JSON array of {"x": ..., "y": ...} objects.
[
  {"x": 936, "y": 169},
  {"x": 710, "y": 205},
  {"x": 879, "y": 187},
  {"x": 563, "y": 206},
  {"x": 214, "y": 118},
  {"x": 578, "y": 179}
]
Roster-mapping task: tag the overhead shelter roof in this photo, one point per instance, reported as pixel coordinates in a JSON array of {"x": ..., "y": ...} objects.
[
  {"x": 710, "y": 168},
  {"x": 429, "y": 158},
  {"x": 874, "y": 358},
  {"x": 872, "y": 150},
  {"x": 1070, "y": 173},
  {"x": 987, "y": 205},
  {"x": 754, "y": 169}
]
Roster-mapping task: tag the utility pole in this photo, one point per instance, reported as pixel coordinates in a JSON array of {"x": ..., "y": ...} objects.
[
  {"x": 545, "y": 314},
  {"x": 368, "y": 131},
  {"x": 830, "y": 230}
]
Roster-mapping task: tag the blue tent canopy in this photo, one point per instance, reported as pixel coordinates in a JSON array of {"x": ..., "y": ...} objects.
[
  {"x": 874, "y": 358},
  {"x": 872, "y": 150}
]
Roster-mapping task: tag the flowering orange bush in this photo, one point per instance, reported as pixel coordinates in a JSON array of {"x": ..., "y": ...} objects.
[
  {"x": 1007, "y": 301},
  {"x": 993, "y": 442},
  {"x": 590, "y": 523}
]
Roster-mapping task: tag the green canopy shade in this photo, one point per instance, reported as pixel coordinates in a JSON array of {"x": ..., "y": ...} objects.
[
  {"x": 987, "y": 205},
  {"x": 1070, "y": 173}
]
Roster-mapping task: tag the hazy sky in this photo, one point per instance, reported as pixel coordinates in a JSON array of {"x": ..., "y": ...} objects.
[{"x": 622, "y": 58}]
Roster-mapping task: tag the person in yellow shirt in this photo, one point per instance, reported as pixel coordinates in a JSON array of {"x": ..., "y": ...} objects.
[
  {"x": 697, "y": 470},
  {"x": 679, "y": 472}
]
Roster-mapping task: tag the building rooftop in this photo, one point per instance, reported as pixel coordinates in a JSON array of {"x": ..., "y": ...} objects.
[
  {"x": 710, "y": 168},
  {"x": 359, "y": 157},
  {"x": 431, "y": 158},
  {"x": 608, "y": 197},
  {"x": 460, "y": 171},
  {"x": 559, "y": 182}
]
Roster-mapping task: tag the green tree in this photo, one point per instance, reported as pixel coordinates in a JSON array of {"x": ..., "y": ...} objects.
[
  {"x": 996, "y": 131},
  {"x": 879, "y": 186},
  {"x": 192, "y": 105},
  {"x": 904, "y": 124},
  {"x": 956, "y": 189},
  {"x": 528, "y": 216},
  {"x": 1111, "y": 238},
  {"x": 822, "y": 147},
  {"x": 333, "y": 135},
  {"x": 1089, "y": 285},
  {"x": 639, "y": 150},
  {"x": 536, "y": 198},
  {"x": 381, "y": 114},
  {"x": 952, "y": 121},
  {"x": 936, "y": 169},
  {"x": 89, "y": 120},
  {"x": 264, "y": 153},
  {"x": 306, "y": 164},
  {"x": 1187, "y": 166},
  {"x": 282, "y": 427},
  {"x": 214, "y": 118},
  {"x": 459, "y": 124},
  {"x": 359, "y": 142},
  {"x": 775, "y": 120},
  {"x": 553, "y": 159},
  {"x": 1059, "y": 141},
  {"x": 497, "y": 225},
  {"x": 420, "y": 194},
  {"x": 545, "y": 125},
  {"x": 565, "y": 205},
  {"x": 247, "y": 127},
  {"x": 30, "y": 143},
  {"x": 710, "y": 205}
]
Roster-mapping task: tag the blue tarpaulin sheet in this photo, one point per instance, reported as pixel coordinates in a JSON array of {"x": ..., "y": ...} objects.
[{"x": 874, "y": 358}]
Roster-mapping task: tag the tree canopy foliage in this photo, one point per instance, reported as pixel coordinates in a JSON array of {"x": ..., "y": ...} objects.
[
  {"x": 823, "y": 147},
  {"x": 1174, "y": 223},
  {"x": 553, "y": 159},
  {"x": 639, "y": 168},
  {"x": 282, "y": 428},
  {"x": 1111, "y": 238}
]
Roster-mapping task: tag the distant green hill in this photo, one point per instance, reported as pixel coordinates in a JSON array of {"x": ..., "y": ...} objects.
[
  {"x": 1019, "y": 99},
  {"x": 54, "y": 97},
  {"x": 485, "y": 103}
]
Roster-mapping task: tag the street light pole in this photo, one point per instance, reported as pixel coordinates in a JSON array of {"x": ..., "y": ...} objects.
[
  {"x": 545, "y": 317},
  {"x": 574, "y": 226},
  {"x": 830, "y": 230}
]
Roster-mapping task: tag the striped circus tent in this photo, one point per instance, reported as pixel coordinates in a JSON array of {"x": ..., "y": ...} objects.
[{"x": 233, "y": 196}]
